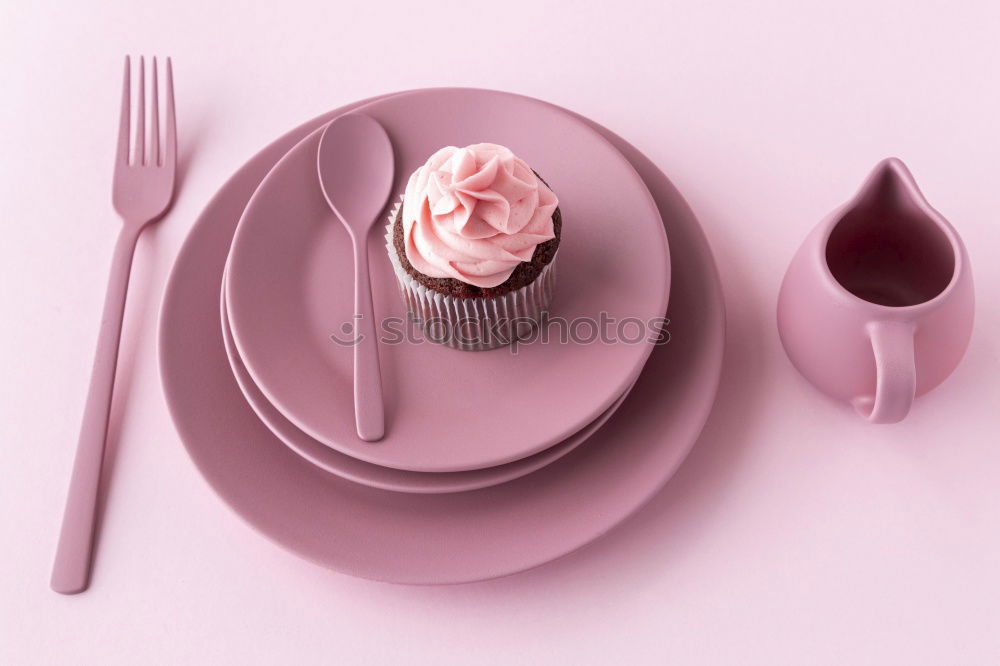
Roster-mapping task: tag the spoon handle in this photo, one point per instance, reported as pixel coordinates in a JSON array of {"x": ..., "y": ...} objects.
[{"x": 369, "y": 414}]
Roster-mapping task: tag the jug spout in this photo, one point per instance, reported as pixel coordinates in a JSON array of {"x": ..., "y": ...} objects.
[{"x": 890, "y": 186}]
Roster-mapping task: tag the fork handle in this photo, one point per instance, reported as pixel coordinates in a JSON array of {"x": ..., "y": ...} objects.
[{"x": 71, "y": 571}]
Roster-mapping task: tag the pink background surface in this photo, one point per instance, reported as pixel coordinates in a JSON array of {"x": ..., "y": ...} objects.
[{"x": 795, "y": 531}]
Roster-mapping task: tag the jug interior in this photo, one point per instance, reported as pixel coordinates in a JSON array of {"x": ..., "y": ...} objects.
[{"x": 888, "y": 251}]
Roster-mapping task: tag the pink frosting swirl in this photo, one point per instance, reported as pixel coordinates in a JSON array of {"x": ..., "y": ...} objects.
[{"x": 474, "y": 214}]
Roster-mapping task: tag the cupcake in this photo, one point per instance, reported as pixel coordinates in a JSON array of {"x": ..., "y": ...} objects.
[{"x": 473, "y": 244}]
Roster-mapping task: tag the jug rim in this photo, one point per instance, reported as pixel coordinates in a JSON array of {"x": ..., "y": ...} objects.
[{"x": 899, "y": 170}]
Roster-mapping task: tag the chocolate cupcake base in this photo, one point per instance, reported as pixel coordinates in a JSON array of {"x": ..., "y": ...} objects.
[{"x": 471, "y": 323}]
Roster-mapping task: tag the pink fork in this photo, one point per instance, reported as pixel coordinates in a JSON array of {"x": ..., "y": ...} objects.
[{"x": 142, "y": 191}]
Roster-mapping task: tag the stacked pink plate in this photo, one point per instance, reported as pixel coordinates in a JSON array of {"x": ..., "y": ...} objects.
[{"x": 492, "y": 462}]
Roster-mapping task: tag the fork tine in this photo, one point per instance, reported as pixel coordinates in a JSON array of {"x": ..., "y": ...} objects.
[
  {"x": 139, "y": 154},
  {"x": 170, "y": 143},
  {"x": 123, "y": 119},
  {"x": 154, "y": 121}
]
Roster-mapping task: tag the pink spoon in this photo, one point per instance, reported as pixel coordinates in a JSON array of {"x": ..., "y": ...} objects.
[{"x": 356, "y": 169}]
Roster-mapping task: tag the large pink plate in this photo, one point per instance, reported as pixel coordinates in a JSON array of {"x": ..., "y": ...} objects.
[
  {"x": 388, "y": 478},
  {"x": 289, "y": 288},
  {"x": 436, "y": 538}
]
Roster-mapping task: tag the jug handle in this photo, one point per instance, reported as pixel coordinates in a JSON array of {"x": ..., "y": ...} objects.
[{"x": 895, "y": 373}]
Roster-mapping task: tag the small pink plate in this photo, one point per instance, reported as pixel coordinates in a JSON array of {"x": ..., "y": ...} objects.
[
  {"x": 289, "y": 289},
  {"x": 452, "y": 537},
  {"x": 388, "y": 478}
]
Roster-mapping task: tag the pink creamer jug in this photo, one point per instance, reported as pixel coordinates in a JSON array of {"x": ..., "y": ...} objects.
[{"x": 877, "y": 305}]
